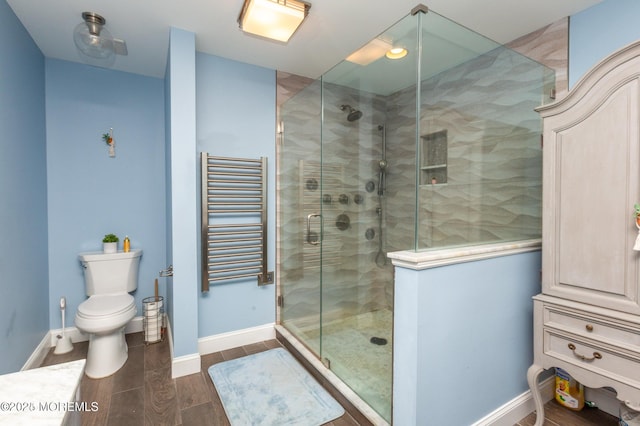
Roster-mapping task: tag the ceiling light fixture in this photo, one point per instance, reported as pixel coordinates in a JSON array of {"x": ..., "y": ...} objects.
[
  {"x": 397, "y": 53},
  {"x": 95, "y": 43},
  {"x": 370, "y": 52},
  {"x": 273, "y": 19}
]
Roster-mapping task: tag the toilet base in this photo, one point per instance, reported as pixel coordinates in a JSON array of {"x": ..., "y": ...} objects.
[{"x": 107, "y": 354}]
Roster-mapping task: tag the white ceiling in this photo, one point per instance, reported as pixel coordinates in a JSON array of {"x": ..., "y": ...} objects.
[{"x": 333, "y": 30}]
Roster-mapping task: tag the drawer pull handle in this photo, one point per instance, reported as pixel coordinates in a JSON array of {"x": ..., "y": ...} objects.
[
  {"x": 589, "y": 327},
  {"x": 596, "y": 355}
]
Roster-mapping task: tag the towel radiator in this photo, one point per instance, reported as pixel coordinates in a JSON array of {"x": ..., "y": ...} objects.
[{"x": 234, "y": 219}]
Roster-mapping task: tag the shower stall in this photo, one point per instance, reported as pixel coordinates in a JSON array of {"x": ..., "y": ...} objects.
[{"x": 430, "y": 145}]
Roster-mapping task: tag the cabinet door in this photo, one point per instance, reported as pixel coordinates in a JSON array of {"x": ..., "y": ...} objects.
[{"x": 591, "y": 156}]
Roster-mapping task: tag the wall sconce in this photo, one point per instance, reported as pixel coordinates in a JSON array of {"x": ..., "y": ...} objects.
[{"x": 273, "y": 19}]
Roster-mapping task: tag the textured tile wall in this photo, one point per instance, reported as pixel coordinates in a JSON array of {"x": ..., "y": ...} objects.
[{"x": 493, "y": 188}]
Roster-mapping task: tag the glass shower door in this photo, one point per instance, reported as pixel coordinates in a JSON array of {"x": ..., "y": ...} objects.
[
  {"x": 368, "y": 167},
  {"x": 300, "y": 225}
]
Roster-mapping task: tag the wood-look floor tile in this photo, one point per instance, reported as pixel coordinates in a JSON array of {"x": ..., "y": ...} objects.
[
  {"x": 131, "y": 375},
  {"x": 157, "y": 355},
  {"x": 587, "y": 417},
  {"x": 344, "y": 420},
  {"x": 160, "y": 398},
  {"x": 218, "y": 408},
  {"x": 255, "y": 348},
  {"x": 557, "y": 415},
  {"x": 79, "y": 351},
  {"x": 272, "y": 344},
  {"x": 96, "y": 391},
  {"x": 202, "y": 414},
  {"x": 193, "y": 400},
  {"x": 135, "y": 339},
  {"x": 234, "y": 353},
  {"x": 192, "y": 391},
  {"x": 208, "y": 360},
  {"x": 127, "y": 408}
]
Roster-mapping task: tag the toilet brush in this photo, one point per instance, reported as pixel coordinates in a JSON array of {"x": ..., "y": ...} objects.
[{"x": 64, "y": 344}]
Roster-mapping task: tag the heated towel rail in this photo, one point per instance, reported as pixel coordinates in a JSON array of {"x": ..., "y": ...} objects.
[{"x": 234, "y": 219}]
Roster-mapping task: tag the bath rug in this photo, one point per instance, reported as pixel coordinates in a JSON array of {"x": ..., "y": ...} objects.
[{"x": 272, "y": 388}]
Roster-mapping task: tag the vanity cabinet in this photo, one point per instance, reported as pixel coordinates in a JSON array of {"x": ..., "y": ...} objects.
[{"x": 587, "y": 319}]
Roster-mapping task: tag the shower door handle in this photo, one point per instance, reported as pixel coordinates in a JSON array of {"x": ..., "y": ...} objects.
[{"x": 309, "y": 239}]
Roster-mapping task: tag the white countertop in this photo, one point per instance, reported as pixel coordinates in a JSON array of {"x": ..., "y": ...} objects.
[
  {"x": 433, "y": 258},
  {"x": 41, "y": 396}
]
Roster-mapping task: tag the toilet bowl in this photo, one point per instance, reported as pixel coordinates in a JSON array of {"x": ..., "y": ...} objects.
[
  {"x": 104, "y": 315},
  {"x": 104, "y": 318}
]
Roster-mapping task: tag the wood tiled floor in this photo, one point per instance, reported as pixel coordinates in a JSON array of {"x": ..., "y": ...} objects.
[
  {"x": 557, "y": 415},
  {"x": 143, "y": 393}
]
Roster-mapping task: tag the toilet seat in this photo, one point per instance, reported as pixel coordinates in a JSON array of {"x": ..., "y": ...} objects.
[
  {"x": 106, "y": 305},
  {"x": 105, "y": 313}
]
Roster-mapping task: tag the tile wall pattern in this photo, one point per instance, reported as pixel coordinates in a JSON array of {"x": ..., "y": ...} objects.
[{"x": 493, "y": 191}]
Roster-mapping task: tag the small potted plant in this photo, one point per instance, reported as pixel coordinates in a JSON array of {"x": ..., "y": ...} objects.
[
  {"x": 110, "y": 243},
  {"x": 637, "y": 213},
  {"x": 107, "y": 138}
]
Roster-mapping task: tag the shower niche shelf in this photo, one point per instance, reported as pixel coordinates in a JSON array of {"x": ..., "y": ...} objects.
[{"x": 433, "y": 158}]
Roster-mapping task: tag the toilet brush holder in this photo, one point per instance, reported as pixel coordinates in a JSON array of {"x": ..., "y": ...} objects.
[{"x": 63, "y": 345}]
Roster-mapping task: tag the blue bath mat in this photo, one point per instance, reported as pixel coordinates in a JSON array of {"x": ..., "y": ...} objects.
[{"x": 272, "y": 388}]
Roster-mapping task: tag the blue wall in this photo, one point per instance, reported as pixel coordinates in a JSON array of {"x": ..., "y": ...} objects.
[
  {"x": 463, "y": 338},
  {"x": 24, "y": 291},
  {"x": 184, "y": 210},
  {"x": 597, "y": 32},
  {"x": 236, "y": 118},
  {"x": 91, "y": 194}
]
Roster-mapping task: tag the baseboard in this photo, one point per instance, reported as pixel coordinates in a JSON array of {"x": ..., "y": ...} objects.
[
  {"x": 523, "y": 405},
  {"x": 185, "y": 365},
  {"x": 51, "y": 338},
  {"x": 518, "y": 408},
  {"x": 234, "y": 339},
  {"x": 182, "y": 365},
  {"x": 38, "y": 355}
]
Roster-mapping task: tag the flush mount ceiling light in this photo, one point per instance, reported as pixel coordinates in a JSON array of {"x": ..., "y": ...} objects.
[
  {"x": 273, "y": 19},
  {"x": 370, "y": 52},
  {"x": 396, "y": 53},
  {"x": 95, "y": 43}
]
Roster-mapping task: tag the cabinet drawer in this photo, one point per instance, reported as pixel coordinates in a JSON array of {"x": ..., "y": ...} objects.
[
  {"x": 619, "y": 334},
  {"x": 623, "y": 367}
]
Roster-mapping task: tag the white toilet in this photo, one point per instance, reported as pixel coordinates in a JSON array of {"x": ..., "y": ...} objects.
[{"x": 108, "y": 280}]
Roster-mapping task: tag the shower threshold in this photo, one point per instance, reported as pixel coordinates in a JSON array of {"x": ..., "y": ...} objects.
[{"x": 299, "y": 350}]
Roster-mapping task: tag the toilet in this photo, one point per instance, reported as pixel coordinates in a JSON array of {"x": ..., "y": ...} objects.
[{"x": 109, "y": 278}]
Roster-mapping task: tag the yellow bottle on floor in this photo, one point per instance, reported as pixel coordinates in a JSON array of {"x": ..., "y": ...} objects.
[{"x": 569, "y": 392}]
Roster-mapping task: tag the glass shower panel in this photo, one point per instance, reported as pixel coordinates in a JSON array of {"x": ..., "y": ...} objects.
[
  {"x": 358, "y": 187},
  {"x": 299, "y": 188},
  {"x": 480, "y": 160}
]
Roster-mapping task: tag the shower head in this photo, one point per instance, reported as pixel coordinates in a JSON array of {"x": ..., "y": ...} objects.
[
  {"x": 382, "y": 165},
  {"x": 354, "y": 114}
]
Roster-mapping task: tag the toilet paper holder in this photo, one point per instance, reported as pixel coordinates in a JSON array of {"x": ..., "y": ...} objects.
[{"x": 167, "y": 272}]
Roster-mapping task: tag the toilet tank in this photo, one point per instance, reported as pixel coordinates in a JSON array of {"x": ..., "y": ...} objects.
[{"x": 107, "y": 273}]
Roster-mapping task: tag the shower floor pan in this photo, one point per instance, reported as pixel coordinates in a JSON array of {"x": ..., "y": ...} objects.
[{"x": 356, "y": 349}]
